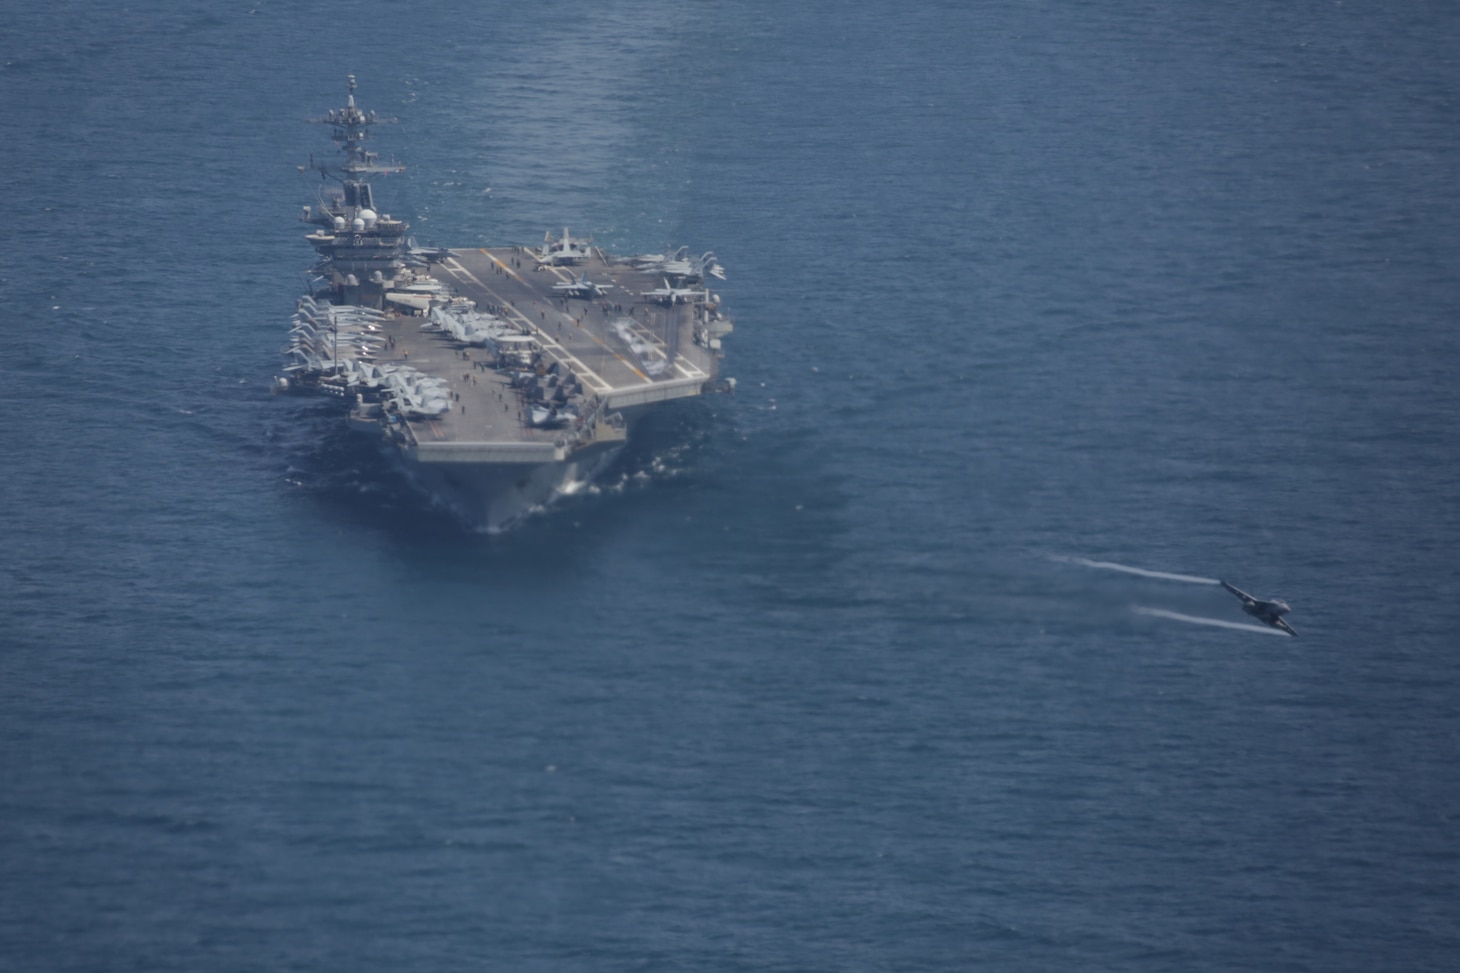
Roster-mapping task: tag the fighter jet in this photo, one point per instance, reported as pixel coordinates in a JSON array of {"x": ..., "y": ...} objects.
[
  {"x": 680, "y": 265},
  {"x": 582, "y": 287},
  {"x": 695, "y": 268},
  {"x": 565, "y": 251},
  {"x": 672, "y": 295},
  {"x": 1267, "y": 612},
  {"x": 425, "y": 254},
  {"x": 650, "y": 262}
]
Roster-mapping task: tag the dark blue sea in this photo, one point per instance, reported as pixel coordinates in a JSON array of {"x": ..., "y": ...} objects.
[{"x": 905, "y": 656}]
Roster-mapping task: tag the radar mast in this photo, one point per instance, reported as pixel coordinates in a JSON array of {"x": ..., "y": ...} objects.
[
  {"x": 362, "y": 249},
  {"x": 351, "y": 131}
]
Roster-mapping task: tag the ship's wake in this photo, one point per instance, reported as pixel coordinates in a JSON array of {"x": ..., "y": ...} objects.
[{"x": 1199, "y": 620}]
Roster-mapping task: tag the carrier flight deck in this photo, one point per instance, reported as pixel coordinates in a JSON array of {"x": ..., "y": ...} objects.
[{"x": 498, "y": 378}]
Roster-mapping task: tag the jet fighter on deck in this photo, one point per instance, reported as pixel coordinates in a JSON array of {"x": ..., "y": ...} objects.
[
  {"x": 1267, "y": 612},
  {"x": 674, "y": 295},
  {"x": 420, "y": 256},
  {"x": 582, "y": 287},
  {"x": 564, "y": 251},
  {"x": 680, "y": 265}
]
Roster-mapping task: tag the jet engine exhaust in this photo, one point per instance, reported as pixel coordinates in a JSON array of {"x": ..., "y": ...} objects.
[
  {"x": 1198, "y": 620},
  {"x": 1126, "y": 569}
]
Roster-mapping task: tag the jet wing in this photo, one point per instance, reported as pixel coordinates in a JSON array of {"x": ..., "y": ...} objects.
[
  {"x": 1237, "y": 591},
  {"x": 1279, "y": 623}
]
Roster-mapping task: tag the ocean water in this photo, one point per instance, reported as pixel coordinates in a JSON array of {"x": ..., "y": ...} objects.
[{"x": 837, "y": 673}]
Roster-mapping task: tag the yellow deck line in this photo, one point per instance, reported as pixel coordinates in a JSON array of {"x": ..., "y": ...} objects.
[
  {"x": 546, "y": 339},
  {"x": 550, "y": 342},
  {"x": 508, "y": 270}
]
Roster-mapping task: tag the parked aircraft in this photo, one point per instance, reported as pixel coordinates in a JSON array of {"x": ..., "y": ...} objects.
[
  {"x": 582, "y": 287},
  {"x": 672, "y": 295},
  {"x": 565, "y": 251}
]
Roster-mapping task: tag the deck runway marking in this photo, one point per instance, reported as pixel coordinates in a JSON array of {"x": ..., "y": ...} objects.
[
  {"x": 599, "y": 342},
  {"x": 508, "y": 270},
  {"x": 688, "y": 368},
  {"x": 548, "y": 342},
  {"x": 643, "y": 330}
]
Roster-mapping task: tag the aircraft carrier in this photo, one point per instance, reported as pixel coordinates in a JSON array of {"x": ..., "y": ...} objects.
[{"x": 501, "y": 378}]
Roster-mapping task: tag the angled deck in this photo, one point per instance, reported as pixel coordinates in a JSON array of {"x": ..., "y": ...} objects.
[{"x": 626, "y": 350}]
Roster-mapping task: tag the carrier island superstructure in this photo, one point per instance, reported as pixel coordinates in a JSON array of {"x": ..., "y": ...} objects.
[{"x": 497, "y": 378}]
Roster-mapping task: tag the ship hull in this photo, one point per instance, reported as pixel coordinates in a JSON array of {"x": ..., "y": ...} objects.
[
  {"x": 492, "y": 496},
  {"x": 493, "y": 378}
]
